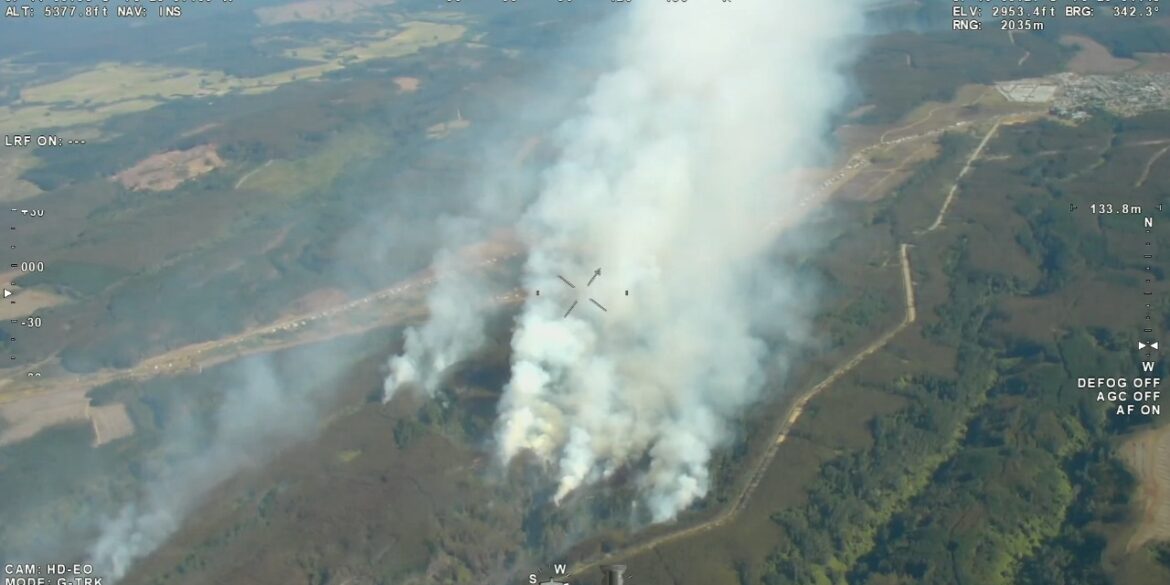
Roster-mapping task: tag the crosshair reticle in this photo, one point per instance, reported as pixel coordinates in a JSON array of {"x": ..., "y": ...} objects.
[{"x": 596, "y": 273}]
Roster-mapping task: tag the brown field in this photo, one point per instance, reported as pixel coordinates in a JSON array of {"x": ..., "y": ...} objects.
[
  {"x": 28, "y": 417},
  {"x": 1153, "y": 62},
  {"x": 407, "y": 84},
  {"x": 1148, "y": 455},
  {"x": 1093, "y": 57},
  {"x": 315, "y": 302},
  {"x": 167, "y": 170},
  {"x": 318, "y": 11},
  {"x": 110, "y": 422},
  {"x": 25, "y": 301},
  {"x": 28, "y": 301}
]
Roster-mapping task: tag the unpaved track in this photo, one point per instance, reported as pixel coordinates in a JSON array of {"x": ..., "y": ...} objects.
[
  {"x": 196, "y": 356},
  {"x": 760, "y": 466},
  {"x": 203, "y": 354},
  {"x": 942, "y": 212},
  {"x": 999, "y": 121},
  {"x": 249, "y": 174},
  {"x": 1149, "y": 165},
  {"x": 796, "y": 409},
  {"x": 193, "y": 356},
  {"x": 29, "y": 405},
  {"x": 20, "y": 396},
  {"x": 780, "y": 435}
]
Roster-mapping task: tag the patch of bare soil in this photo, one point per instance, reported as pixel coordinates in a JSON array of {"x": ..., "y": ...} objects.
[
  {"x": 28, "y": 301},
  {"x": 316, "y": 301},
  {"x": 1148, "y": 454},
  {"x": 167, "y": 170},
  {"x": 26, "y": 418},
  {"x": 110, "y": 422},
  {"x": 407, "y": 84},
  {"x": 1093, "y": 57},
  {"x": 1154, "y": 62}
]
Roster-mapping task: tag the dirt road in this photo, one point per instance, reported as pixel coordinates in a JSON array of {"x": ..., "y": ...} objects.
[
  {"x": 796, "y": 408},
  {"x": 780, "y": 434},
  {"x": 1149, "y": 165},
  {"x": 30, "y": 405},
  {"x": 942, "y": 212}
]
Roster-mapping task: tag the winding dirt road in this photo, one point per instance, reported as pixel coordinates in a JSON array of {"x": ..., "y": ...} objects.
[
  {"x": 780, "y": 435},
  {"x": 796, "y": 408},
  {"x": 413, "y": 291},
  {"x": 29, "y": 405}
]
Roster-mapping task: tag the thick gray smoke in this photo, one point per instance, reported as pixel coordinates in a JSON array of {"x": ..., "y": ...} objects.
[{"x": 672, "y": 177}]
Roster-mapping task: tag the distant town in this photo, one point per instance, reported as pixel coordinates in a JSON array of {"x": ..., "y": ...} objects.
[{"x": 1074, "y": 96}]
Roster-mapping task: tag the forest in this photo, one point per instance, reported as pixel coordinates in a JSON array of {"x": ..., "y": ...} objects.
[{"x": 1002, "y": 471}]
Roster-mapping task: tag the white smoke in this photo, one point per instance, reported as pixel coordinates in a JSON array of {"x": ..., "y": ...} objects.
[
  {"x": 260, "y": 415},
  {"x": 667, "y": 178},
  {"x": 454, "y": 328}
]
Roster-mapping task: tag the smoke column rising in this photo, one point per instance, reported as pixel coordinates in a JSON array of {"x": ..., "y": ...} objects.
[
  {"x": 266, "y": 408},
  {"x": 667, "y": 175},
  {"x": 454, "y": 330}
]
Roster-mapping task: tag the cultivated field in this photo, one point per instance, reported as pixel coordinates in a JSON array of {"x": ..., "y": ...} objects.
[
  {"x": 115, "y": 88},
  {"x": 167, "y": 170}
]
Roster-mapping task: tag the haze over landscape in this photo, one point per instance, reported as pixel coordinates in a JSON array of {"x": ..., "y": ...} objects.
[
  {"x": 407, "y": 292},
  {"x": 667, "y": 180}
]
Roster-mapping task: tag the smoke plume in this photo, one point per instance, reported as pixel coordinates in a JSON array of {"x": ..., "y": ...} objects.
[
  {"x": 267, "y": 407},
  {"x": 455, "y": 328},
  {"x": 671, "y": 177}
]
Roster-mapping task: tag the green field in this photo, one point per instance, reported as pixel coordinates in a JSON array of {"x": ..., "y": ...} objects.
[
  {"x": 315, "y": 172},
  {"x": 110, "y": 89}
]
